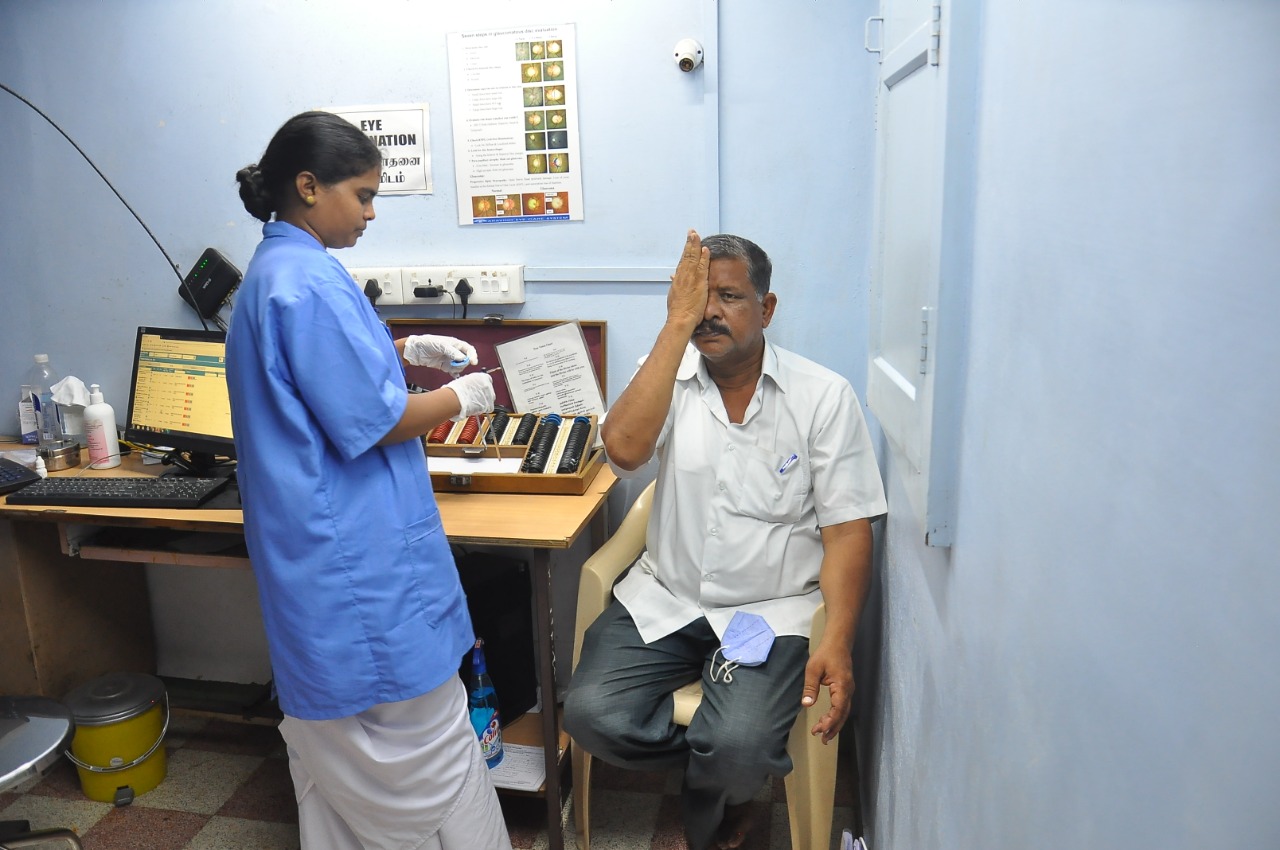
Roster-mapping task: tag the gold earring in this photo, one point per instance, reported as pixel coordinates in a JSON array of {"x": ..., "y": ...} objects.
[{"x": 311, "y": 199}]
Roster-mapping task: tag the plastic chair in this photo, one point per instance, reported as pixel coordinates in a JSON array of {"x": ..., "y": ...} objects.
[{"x": 810, "y": 785}]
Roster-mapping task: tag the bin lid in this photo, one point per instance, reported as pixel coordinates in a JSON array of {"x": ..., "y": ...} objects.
[{"x": 114, "y": 697}]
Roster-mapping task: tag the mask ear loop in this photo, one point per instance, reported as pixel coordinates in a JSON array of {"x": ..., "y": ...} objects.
[{"x": 726, "y": 669}]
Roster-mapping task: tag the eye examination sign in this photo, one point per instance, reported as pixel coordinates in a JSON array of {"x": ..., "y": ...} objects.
[
  {"x": 515, "y": 125},
  {"x": 402, "y": 133}
]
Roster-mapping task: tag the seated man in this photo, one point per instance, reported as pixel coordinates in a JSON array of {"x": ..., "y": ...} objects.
[{"x": 766, "y": 488}]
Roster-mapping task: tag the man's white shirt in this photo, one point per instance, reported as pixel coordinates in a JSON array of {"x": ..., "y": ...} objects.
[{"x": 737, "y": 510}]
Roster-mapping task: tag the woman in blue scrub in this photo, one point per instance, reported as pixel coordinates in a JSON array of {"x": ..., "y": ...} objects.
[{"x": 365, "y": 617}]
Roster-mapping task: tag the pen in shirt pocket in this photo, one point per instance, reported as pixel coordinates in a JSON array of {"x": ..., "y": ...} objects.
[{"x": 787, "y": 464}]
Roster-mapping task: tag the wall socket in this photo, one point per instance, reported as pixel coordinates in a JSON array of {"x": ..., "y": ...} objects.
[
  {"x": 389, "y": 281},
  {"x": 489, "y": 284}
]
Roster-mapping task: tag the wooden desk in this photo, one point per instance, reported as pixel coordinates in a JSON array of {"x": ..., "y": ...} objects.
[{"x": 75, "y": 615}]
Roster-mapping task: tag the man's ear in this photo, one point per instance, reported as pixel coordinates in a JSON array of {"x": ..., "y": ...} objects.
[
  {"x": 767, "y": 305},
  {"x": 306, "y": 184}
]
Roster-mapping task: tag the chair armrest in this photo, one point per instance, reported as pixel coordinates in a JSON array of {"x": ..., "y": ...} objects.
[
  {"x": 818, "y": 624},
  {"x": 601, "y": 570},
  {"x": 811, "y": 715}
]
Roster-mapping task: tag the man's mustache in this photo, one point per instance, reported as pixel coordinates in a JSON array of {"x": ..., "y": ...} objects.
[{"x": 713, "y": 327}]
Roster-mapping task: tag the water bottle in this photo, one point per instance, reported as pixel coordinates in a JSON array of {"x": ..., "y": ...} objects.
[
  {"x": 48, "y": 422},
  {"x": 27, "y": 417},
  {"x": 484, "y": 708}
]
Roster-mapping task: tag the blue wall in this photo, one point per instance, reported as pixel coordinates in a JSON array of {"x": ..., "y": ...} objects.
[
  {"x": 169, "y": 99},
  {"x": 1093, "y": 661}
]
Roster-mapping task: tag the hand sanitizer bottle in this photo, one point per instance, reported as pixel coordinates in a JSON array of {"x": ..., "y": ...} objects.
[{"x": 100, "y": 431}]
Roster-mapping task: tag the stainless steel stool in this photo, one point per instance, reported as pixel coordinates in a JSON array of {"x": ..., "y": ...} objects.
[{"x": 34, "y": 731}]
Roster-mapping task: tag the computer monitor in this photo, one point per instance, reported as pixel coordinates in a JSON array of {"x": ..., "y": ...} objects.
[{"x": 178, "y": 397}]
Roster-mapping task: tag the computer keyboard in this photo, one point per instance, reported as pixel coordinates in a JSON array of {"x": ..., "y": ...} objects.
[
  {"x": 171, "y": 491},
  {"x": 14, "y": 476}
]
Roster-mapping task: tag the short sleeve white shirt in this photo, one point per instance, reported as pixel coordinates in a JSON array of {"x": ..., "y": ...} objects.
[{"x": 738, "y": 507}]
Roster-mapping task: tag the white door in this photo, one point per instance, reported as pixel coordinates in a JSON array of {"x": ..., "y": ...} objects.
[{"x": 910, "y": 135}]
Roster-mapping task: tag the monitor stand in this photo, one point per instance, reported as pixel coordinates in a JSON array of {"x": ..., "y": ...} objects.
[{"x": 198, "y": 465}]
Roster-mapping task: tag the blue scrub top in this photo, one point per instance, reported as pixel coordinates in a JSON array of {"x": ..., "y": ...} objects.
[{"x": 359, "y": 591}]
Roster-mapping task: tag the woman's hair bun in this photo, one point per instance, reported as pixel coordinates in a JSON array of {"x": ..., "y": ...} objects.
[{"x": 253, "y": 193}]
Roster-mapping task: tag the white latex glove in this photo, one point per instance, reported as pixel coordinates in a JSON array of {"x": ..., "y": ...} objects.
[
  {"x": 440, "y": 352},
  {"x": 474, "y": 392}
]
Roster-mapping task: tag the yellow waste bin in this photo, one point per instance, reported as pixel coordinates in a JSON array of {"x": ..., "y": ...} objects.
[{"x": 121, "y": 720}]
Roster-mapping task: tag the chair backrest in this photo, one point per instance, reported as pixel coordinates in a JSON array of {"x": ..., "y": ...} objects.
[{"x": 595, "y": 585}]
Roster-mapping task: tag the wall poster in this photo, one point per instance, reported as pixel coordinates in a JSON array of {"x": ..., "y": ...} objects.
[
  {"x": 403, "y": 134},
  {"x": 515, "y": 125}
]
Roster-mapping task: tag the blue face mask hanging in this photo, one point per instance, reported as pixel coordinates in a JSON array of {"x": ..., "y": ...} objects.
[{"x": 746, "y": 643}]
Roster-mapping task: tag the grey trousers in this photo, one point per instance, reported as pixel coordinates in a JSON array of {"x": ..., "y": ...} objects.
[{"x": 619, "y": 707}]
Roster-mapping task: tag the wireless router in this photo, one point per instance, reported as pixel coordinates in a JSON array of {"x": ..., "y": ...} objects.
[{"x": 210, "y": 283}]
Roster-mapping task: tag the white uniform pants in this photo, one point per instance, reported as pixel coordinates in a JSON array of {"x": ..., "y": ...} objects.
[{"x": 399, "y": 776}]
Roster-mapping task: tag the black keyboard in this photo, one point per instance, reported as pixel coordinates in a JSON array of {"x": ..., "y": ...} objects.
[
  {"x": 140, "y": 492},
  {"x": 14, "y": 475}
]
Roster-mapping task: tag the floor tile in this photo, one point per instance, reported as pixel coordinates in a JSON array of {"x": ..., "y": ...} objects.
[
  {"x": 525, "y": 817},
  {"x": 618, "y": 818},
  {"x": 779, "y": 828},
  {"x": 144, "y": 829},
  {"x": 760, "y": 835},
  {"x": 267, "y": 795},
  {"x": 668, "y": 830},
  {"x": 25, "y": 785},
  {"x": 228, "y": 788},
  {"x": 780, "y": 832},
  {"x": 62, "y": 781},
  {"x": 223, "y": 833},
  {"x": 200, "y": 781},
  {"x": 56, "y": 813}
]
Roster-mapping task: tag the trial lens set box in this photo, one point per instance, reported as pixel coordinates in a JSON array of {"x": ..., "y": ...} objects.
[
  {"x": 530, "y": 444},
  {"x": 515, "y": 453}
]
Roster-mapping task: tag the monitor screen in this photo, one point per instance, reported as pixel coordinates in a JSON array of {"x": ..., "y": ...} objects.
[{"x": 178, "y": 396}]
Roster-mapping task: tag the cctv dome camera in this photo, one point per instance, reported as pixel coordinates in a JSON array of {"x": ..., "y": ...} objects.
[{"x": 688, "y": 54}]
